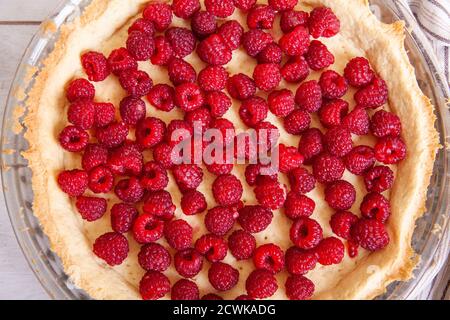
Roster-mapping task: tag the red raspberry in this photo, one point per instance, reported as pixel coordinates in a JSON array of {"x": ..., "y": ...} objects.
[
  {"x": 379, "y": 179},
  {"x": 231, "y": 32},
  {"x": 162, "y": 153},
  {"x": 214, "y": 248},
  {"x": 333, "y": 112},
  {"x": 301, "y": 180},
  {"x": 243, "y": 296},
  {"x": 226, "y": 128},
  {"x": 177, "y": 127},
  {"x": 149, "y": 132},
  {"x": 267, "y": 76},
  {"x": 182, "y": 41},
  {"x": 270, "y": 54},
  {"x": 91, "y": 208},
  {"x": 253, "y": 172},
  {"x": 120, "y": 60},
  {"x": 281, "y": 5},
  {"x": 126, "y": 160},
  {"x": 80, "y": 89},
  {"x": 374, "y": 95},
  {"x": 73, "y": 139},
  {"x": 163, "y": 51},
  {"x": 199, "y": 117},
  {"x": 132, "y": 110},
  {"x": 390, "y": 150},
  {"x": 188, "y": 96},
  {"x": 289, "y": 158},
  {"x": 122, "y": 217},
  {"x": 341, "y": 223},
  {"x": 101, "y": 180},
  {"x": 291, "y": 19},
  {"x": 185, "y": 8},
  {"x": 298, "y": 205},
  {"x": 105, "y": 114},
  {"x": 218, "y": 102},
  {"x": 358, "y": 72},
  {"x": 255, "y": 218},
  {"x": 219, "y": 169},
  {"x": 376, "y": 206},
  {"x": 359, "y": 159},
  {"x": 154, "y": 257},
  {"x": 211, "y": 296},
  {"x": 154, "y": 285},
  {"x": 181, "y": 71},
  {"x": 129, "y": 190},
  {"x": 140, "y": 45},
  {"x": 137, "y": 83},
  {"x": 269, "y": 257},
  {"x": 113, "y": 135},
  {"x": 370, "y": 234},
  {"x": 357, "y": 121},
  {"x": 253, "y": 110},
  {"x": 309, "y": 96},
  {"x": 333, "y": 85},
  {"x": 323, "y": 23},
  {"x": 281, "y": 102},
  {"x": 340, "y": 195},
  {"x": 95, "y": 65},
  {"x": 160, "y": 14},
  {"x": 220, "y": 220},
  {"x": 188, "y": 262},
  {"x": 296, "y": 42},
  {"x": 267, "y": 135},
  {"x": 328, "y": 168},
  {"x": 213, "y": 78},
  {"x": 352, "y": 248},
  {"x": 213, "y": 50},
  {"x": 178, "y": 234},
  {"x": 241, "y": 87},
  {"x": 82, "y": 114},
  {"x": 260, "y": 17},
  {"x": 297, "y": 122},
  {"x": 244, "y": 5},
  {"x": 255, "y": 40},
  {"x": 161, "y": 97},
  {"x": 143, "y": 25},
  {"x": 220, "y": 8},
  {"x": 188, "y": 176},
  {"x": 154, "y": 176},
  {"x": 305, "y": 233},
  {"x": 299, "y": 262},
  {"x": 203, "y": 24},
  {"x": 227, "y": 190},
  {"x": 185, "y": 290},
  {"x": 330, "y": 251},
  {"x": 160, "y": 205},
  {"x": 338, "y": 141},
  {"x": 73, "y": 182},
  {"x": 385, "y": 124},
  {"x": 111, "y": 247},
  {"x": 261, "y": 284},
  {"x": 295, "y": 69},
  {"x": 241, "y": 244},
  {"x": 318, "y": 56},
  {"x": 222, "y": 276},
  {"x": 270, "y": 193},
  {"x": 299, "y": 288}
]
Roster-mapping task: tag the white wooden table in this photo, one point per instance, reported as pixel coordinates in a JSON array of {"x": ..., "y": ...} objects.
[{"x": 19, "y": 20}]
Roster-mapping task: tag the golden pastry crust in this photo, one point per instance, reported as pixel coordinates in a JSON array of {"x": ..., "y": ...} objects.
[{"x": 382, "y": 44}]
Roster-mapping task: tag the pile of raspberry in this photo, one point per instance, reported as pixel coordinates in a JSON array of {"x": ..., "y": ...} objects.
[{"x": 114, "y": 149}]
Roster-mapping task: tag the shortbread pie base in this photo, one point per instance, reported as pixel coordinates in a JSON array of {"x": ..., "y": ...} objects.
[{"x": 102, "y": 27}]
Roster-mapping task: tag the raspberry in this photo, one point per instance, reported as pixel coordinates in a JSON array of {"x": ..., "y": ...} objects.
[
  {"x": 359, "y": 159},
  {"x": 162, "y": 153},
  {"x": 352, "y": 248},
  {"x": 281, "y": 5},
  {"x": 267, "y": 76},
  {"x": 295, "y": 69},
  {"x": 340, "y": 195},
  {"x": 91, "y": 208},
  {"x": 309, "y": 96},
  {"x": 301, "y": 181},
  {"x": 213, "y": 50},
  {"x": 219, "y": 169},
  {"x": 370, "y": 234},
  {"x": 137, "y": 83},
  {"x": 199, "y": 117},
  {"x": 188, "y": 97},
  {"x": 73, "y": 182},
  {"x": 140, "y": 45},
  {"x": 244, "y": 5},
  {"x": 333, "y": 112},
  {"x": 243, "y": 297},
  {"x": 270, "y": 193},
  {"x": 188, "y": 176},
  {"x": 260, "y": 17},
  {"x": 374, "y": 95},
  {"x": 218, "y": 102},
  {"x": 219, "y": 220},
  {"x": 132, "y": 110},
  {"x": 241, "y": 244},
  {"x": 296, "y": 42},
  {"x": 385, "y": 124},
  {"x": 149, "y": 132},
  {"x": 269, "y": 257},
  {"x": 122, "y": 217},
  {"x": 112, "y": 247},
  {"x": 160, "y": 14},
  {"x": 161, "y": 96},
  {"x": 318, "y": 56},
  {"x": 341, "y": 223},
  {"x": 185, "y": 290},
  {"x": 80, "y": 89},
  {"x": 203, "y": 24},
  {"x": 298, "y": 205},
  {"x": 227, "y": 190},
  {"x": 390, "y": 150},
  {"x": 154, "y": 257},
  {"x": 212, "y": 78},
  {"x": 379, "y": 179},
  {"x": 338, "y": 141},
  {"x": 289, "y": 158},
  {"x": 154, "y": 177},
  {"x": 81, "y": 114},
  {"x": 188, "y": 262},
  {"x": 281, "y": 102},
  {"x": 163, "y": 51},
  {"x": 297, "y": 122},
  {"x": 126, "y": 160},
  {"x": 160, "y": 205},
  {"x": 101, "y": 180},
  {"x": 129, "y": 190},
  {"x": 222, "y": 276},
  {"x": 231, "y": 32},
  {"x": 214, "y": 248},
  {"x": 241, "y": 87},
  {"x": 261, "y": 284},
  {"x": 375, "y": 206},
  {"x": 178, "y": 234},
  {"x": 255, "y": 40},
  {"x": 305, "y": 233},
  {"x": 328, "y": 168},
  {"x": 270, "y": 54},
  {"x": 357, "y": 121},
  {"x": 253, "y": 173},
  {"x": 255, "y": 218},
  {"x": 113, "y": 135},
  {"x": 105, "y": 114},
  {"x": 311, "y": 144},
  {"x": 333, "y": 85},
  {"x": 330, "y": 251},
  {"x": 267, "y": 135},
  {"x": 73, "y": 139},
  {"x": 220, "y": 8},
  {"x": 185, "y": 8},
  {"x": 291, "y": 19},
  {"x": 323, "y": 23},
  {"x": 180, "y": 72},
  {"x": 299, "y": 288},
  {"x": 154, "y": 285},
  {"x": 226, "y": 128},
  {"x": 358, "y": 72},
  {"x": 182, "y": 41},
  {"x": 253, "y": 110},
  {"x": 299, "y": 262},
  {"x": 120, "y": 60},
  {"x": 142, "y": 25},
  {"x": 95, "y": 65}
]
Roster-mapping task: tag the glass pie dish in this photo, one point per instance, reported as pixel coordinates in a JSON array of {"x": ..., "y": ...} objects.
[{"x": 432, "y": 233}]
